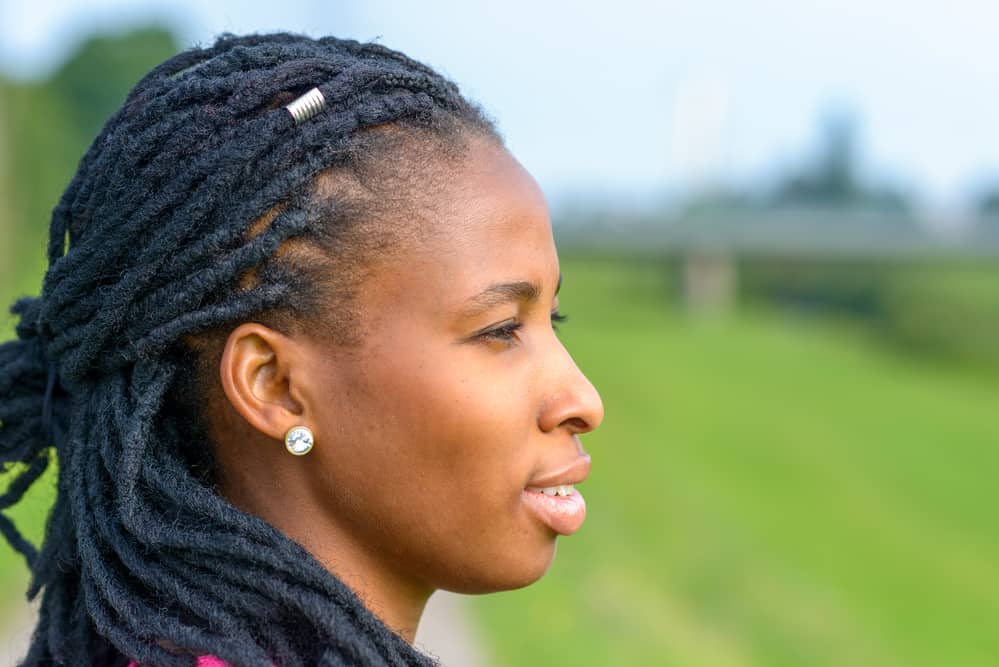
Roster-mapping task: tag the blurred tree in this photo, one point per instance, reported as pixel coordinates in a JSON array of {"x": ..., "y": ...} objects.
[
  {"x": 45, "y": 127},
  {"x": 986, "y": 223},
  {"x": 988, "y": 202},
  {"x": 98, "y": 76},
  {"x": 831, "y": 178}
]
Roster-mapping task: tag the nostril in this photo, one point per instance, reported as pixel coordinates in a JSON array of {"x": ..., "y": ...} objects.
[
  {"x": 577, "y": 425},
  {"x": 575, "y": 406}
]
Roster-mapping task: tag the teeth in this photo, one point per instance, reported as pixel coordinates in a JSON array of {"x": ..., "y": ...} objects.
[{"x": 563, "y": 490}]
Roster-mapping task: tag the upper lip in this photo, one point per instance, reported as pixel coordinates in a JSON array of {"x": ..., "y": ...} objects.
[{"x": 573, "y": 473}]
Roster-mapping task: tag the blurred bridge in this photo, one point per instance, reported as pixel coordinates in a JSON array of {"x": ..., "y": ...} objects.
[
  {"x": 708, "y": 246},
  {"x": 807, "y": 232}
]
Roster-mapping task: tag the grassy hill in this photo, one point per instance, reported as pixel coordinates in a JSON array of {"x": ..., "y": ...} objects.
[{"x": 765, "y": 491}]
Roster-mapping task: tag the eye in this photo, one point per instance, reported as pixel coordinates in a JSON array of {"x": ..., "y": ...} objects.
[{"x": 505, "y": 331}]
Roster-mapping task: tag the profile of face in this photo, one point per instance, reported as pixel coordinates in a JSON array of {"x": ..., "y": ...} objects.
[{"x": 434, "y": 433}]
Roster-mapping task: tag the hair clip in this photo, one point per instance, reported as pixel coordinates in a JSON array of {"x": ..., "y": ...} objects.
[{"x": 306, "y": 106}]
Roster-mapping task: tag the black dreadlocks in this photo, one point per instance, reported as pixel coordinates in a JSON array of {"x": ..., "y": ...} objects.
[{"x": 155, "y": 241}]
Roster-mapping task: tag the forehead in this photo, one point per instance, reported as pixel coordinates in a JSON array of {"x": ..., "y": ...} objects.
[
  {"x": 491, "y": 198},
  {"x": 488, "y": 222}
]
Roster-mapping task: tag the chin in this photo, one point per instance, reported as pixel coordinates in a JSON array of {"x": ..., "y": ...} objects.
[{"x": 506, "y": 572}]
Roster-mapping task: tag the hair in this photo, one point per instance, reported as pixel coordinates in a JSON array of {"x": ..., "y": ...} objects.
[{"x": 201, "y": 204}]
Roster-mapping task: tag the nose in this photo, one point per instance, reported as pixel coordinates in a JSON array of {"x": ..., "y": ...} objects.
[{"x": 573, "y": 403}]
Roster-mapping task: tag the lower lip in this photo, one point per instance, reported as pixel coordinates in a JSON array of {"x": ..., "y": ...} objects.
[{"x": 563, "y": 514}]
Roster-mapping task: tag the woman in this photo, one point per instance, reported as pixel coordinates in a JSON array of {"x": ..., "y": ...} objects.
[{"x": 294, "y": 352}]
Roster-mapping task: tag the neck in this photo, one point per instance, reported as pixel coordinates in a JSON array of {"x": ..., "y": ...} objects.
[
  {"x": 397, "y": 601},
  {"x": 398, "y": 604}
]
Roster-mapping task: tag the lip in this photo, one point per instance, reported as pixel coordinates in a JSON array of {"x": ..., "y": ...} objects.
[
  {"x": 573, "y": 473},
  {"x": 562, "y": 514}
]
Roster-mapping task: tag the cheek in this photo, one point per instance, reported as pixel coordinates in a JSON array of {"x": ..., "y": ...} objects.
[
  {"x": 438, "y": 454},
  {"x": 443, "y": 423}
]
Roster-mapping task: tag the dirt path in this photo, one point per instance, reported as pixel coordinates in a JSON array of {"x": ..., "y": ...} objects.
[
  {"x": 15, "y": 631},
  {"x": 446, "y": 632}
]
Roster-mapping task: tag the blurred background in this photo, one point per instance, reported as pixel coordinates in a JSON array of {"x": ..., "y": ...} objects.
[{"x": 779, "y": 230}]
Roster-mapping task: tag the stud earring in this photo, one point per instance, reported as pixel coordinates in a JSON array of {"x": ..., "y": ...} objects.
[{"x": 299, "y": 440}]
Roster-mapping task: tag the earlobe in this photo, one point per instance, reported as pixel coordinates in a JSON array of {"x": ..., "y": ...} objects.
[{"x": 256, "y": 371}]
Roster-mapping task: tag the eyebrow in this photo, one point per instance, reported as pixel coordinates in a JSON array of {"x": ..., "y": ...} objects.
[{"x": 500, "y": 293}]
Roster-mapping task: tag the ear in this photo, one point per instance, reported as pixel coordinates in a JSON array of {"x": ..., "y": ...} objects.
[{"x": 262, "y": 372}]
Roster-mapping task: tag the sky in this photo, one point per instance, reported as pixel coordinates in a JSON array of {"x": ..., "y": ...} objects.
[{"x": 641, "y": 102}]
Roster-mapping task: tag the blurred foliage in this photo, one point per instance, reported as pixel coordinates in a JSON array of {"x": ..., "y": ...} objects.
[
  {"x": 986, "y": 224},
  {"x": 988, "y": 203},
  {"x": 943, "y": 309},
  {"x": 831, "y": 178},
  {"x": 96, "y": 79},
  {"x": 45, "y": 127}
]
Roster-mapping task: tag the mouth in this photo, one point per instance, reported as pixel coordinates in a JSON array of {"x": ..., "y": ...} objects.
[
  {"x": 562, "y": 490},
  {"x": 575, "y": 472},
  {"x": 554, "y": 500}
]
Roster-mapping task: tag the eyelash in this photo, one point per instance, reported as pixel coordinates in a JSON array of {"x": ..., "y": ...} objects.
[{"x": 506, "y": 332}]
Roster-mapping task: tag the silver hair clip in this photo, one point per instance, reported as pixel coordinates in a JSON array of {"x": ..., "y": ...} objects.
[{"x": 306, "y": 106}]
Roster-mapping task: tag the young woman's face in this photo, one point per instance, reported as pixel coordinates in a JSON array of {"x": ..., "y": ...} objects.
[{"x": 460, "y": 398}]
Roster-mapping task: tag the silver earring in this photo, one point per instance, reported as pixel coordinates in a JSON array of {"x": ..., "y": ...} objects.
[{"x": 299, "y": 440}]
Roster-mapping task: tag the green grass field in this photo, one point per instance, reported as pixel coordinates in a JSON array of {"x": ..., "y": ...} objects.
[{"x": 765, "y": 491}]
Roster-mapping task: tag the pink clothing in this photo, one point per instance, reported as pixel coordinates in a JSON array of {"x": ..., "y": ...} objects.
[{"x": 203, "y": 661}]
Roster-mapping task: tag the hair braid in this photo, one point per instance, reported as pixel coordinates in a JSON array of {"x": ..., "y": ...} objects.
[{"x": 175, "y": 225}]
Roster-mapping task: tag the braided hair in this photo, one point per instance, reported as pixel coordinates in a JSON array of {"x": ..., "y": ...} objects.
[{"x": 201, "y": 204}]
